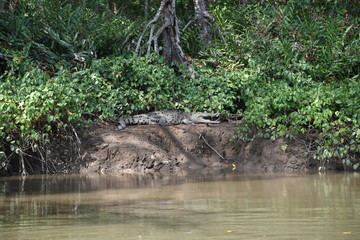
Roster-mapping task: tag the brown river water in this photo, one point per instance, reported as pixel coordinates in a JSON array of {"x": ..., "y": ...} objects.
[{"x": 214, "y": 206}]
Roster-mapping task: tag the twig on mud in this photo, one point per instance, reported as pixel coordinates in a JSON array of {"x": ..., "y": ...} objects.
[
  {"x": 78, "y": 145},
  {"x": 210, "y": 146},
  {"x": 22, "y": 164},
  {"x": 75, "y": 134}
]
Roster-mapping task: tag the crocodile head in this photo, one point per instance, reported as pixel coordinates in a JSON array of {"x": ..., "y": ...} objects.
[{"x": 205, "y": 118}]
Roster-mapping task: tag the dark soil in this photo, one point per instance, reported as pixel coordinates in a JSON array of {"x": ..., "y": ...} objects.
[{"x": 183, "y": 148}]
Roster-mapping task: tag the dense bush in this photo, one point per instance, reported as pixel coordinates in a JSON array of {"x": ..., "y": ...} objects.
[
  {"x": 35, "y": 105},
  {"x": 297, "y": 68},
  {"x": 64, "y": 33}
]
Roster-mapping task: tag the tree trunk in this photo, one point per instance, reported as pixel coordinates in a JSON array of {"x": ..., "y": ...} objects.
[
  {"x": 113, "y": 6},
  {"x": 172, "y": 49},
  {"x": 203, "y": 18},
  {"x": 169, "y": 29},
  {"x": 2, "y": 6},
  {"x": 8, "y": 5},
  {"x": 147, "y": 8},
  {"x": 13, "y": 5}
]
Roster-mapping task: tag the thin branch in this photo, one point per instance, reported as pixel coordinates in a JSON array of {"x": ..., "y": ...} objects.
[
  {"x": 150, "y": 38},
  {"x": 22, "y": 164},
  {"x": 153, "y": 21},
  {"x": 161, "y": 29},
  {"x": 156, "y": 46},
  {"x": 76, "y": 135},
  {"x": 196, "y": 18},
  {"x": 211, "y": 146},
  {"x": 190, "y": 22}
]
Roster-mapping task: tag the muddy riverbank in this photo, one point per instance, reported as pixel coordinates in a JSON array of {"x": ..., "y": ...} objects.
[{"x": 182, "y": 148}]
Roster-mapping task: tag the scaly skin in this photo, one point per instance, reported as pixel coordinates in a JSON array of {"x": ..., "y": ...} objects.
[{"x": 165, "y": 118}]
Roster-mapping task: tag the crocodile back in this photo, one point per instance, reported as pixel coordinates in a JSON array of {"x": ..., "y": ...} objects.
[{"x": 166, "y": 118}]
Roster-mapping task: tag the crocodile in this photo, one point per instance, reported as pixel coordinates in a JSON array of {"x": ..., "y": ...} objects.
[{"x": 166, "y": 118}]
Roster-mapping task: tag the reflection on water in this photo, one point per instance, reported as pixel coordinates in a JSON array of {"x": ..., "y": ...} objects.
[{"x": 227, "y": 206}]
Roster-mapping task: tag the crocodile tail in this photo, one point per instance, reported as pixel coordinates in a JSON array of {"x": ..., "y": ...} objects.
[
  {"x": 122, "y": 124},
  {"x": 127, "y": 121}
]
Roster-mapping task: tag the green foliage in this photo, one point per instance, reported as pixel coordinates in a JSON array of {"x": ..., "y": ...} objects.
[
  {"x": 298, "y": 65},
  {"x": 332, "y": 112},
  {"x": 36, "y": 106},
  {"x": 292, "y": 68},
  {"x": 213, "y": 92},
  {"x": 278, "y": 37},
  {"x": 140, "y": 83},
  {"x": 71, "y": 34}
]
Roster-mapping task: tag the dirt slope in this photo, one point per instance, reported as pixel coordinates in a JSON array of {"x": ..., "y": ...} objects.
[{"x": 184, "y": 148}]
